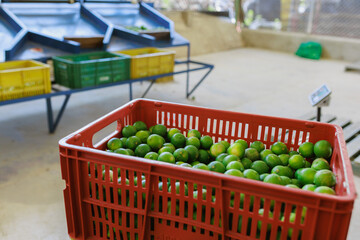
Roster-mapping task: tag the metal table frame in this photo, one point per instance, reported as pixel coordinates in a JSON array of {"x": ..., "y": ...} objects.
[{"x": 53, "y": 121}]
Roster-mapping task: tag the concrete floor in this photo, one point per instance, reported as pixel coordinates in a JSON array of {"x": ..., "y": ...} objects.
[{"x": 245, "y": 80}]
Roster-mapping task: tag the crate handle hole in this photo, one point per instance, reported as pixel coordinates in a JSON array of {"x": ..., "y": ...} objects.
[{"x": 105, "y": 134}]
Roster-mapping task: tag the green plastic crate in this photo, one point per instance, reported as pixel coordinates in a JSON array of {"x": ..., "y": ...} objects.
[{"x": 91, "y": 69}]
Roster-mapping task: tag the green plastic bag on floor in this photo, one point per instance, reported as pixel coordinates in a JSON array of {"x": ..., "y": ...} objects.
[{"x": 311, "y": 50}]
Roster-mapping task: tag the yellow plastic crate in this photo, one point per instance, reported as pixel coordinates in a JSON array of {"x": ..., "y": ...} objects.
[
  {"x": 147, "y": 62},
  {"x": 23, "y": 79}
]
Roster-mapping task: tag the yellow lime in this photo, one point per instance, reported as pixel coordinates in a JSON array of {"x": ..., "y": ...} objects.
[
  {"x": 201, "y": 166},
  {"x": 242, "y": 142},
  {"x": 309, "y": 187},
  {"x": 165, "y": 149},
  {"x": 325, "y": 189},
  {"x": 236, "y": 149},
  {"x": 217, "y": 149},
  {"x": 225, "y": 143},
  {"x": 235, "y": 165},
  {"x": 151, "y": 155},
  {"x": 194, "y": 133},
  {"x": 170, "y": 145},
  {"x": 155, "y": 142}
]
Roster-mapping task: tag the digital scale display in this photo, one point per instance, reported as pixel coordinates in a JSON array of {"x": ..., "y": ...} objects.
[{"x": 319, "y": 95}]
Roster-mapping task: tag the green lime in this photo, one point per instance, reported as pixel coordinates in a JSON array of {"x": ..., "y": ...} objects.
[
  {"x": 166, "y": 157},
  {"x": 194, "y": 163},
  {"x": 279, "y": 148},
  {"x": 242, "y": 142},
  {"x": 165, "y": 149},
  {"x": 296, "y": 182},
  {"x": 252, "y": 154},
  {"x": 128, "y": 131},
  {"x": 260, "y": 167},
  {"x": 170, "y": 145},
  {"x": 229, "y": 158},
  {"x": 123, "y": 140},
  {"x": 259, "y": 146},
  {"x": 139, "y": 125},
  {"x": 177, "y": 188},
  {"x": 307, "y": 164},
  {"x": 291, "y": 153},
  {"x": 216, "y": 167},
  {"x": 264, "y": 153},
  {"x": 142, "y": 150},
  {"x": 263, "y": 176},
  {"x": 284, "y": 158},
  {"x": 121, "y": 151},
  {"x": 235, "y": 165},
  {"x": 234, "y": 172},
  {"x": 236, "y": 149},
  {"x": 143, "y": 135},
  {"x": 204, "y": 156},
  {"x": 285, "y": 180},
  {"x": 178, "y": 162},
  {"x": 132, "y": 142},
  {"x": 323, "y": 149},
  {"x": 225, "y": 143},
  {"x": 172, "y": 131},
  {"x": 306, "y": 149},
  {"x": 283, "y": 171},
  {"x": 217, "y": 149},
  {"x": 194, "y": 133},
  {"x": 273, "y": 178},
  {"x": 130, "y": 151},
  {"x": 325, "y": 178},
  {"x": 251, "y": 174},
  {"x": 325, "y": 189},
  {"x": 296, "y": 162},
  {"x": 193, "y": 152},
  {"x": 185, "y": 165},
  {"x": 181, "y": 154},
  {"x": 320, "y": 164},
  {"x": 178, "y": 140},
  {"x": 272, "y": 160},
  {"x": 114, "y": 143},
  {"x": 309, "y": 187},
  {"x": 297, "y": 172},
  {"x": 160, "y": 129},
  {"x": 193, "y": 141},
  {"x": 201, "y": 166},
  {"x": 246, "y": 162},
  {"x": 221, "y": 157},
  {"x": 306, "y": 176},
  {"x": 292, "y": 186},
  {"x": 152, "y": 155},
  {"x": 155, "y": 142},
  {"x": 206, "y": 142}
]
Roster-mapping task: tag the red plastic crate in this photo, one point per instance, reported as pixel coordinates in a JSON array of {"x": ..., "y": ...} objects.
[{"x": 147, "y": 212}]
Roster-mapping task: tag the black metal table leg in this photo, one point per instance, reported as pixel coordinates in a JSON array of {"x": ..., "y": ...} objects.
[{"x": 51, "y": 124}]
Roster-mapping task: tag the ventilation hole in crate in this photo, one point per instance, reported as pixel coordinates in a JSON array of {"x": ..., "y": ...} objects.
[
  {"x": 239, "y": 130},
  {"x": 301, "y": 137},
  {"x": 157, "y": 113},
  {"x": 233, "y": 129},
  {"x": 293, "y": 136},
  {"x": 208, "y": 125},
  {"x": 185, "y": 124},
  {"x": 101, "y": 229},
  {"x": 214, "y": 126},
  {"x": 227, "y": 128},
  {"x": 94, "y": 228},
  {"x": 197, "y": 120},
  {"x": 259, "y": 132},
  {"x": 307, "y": 139},
  {"x": 163, "y": 118},
  {"x": 104, "y": 133},
  {"x": 176, "y": 224},
  {"x": 266, "y": 133},
  {"x": 221, "y": 126},
  {"x": 246, "y": 131},
  {"x": 286, "y": 137},
  {"x": 280, "y": 130},
  {"x": 191, "y": 118},
  {"x": 272, "y": 134},
  {"x": 168, "y": 119}
]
